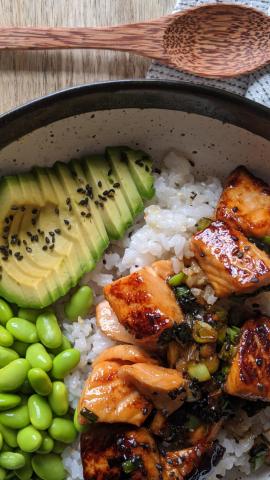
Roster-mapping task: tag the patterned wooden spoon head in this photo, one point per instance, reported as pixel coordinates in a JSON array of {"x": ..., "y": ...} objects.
[{"x": 218, "y": 40}]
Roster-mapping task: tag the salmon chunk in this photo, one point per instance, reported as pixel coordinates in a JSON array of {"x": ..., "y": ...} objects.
[
  {"x": 165, "y": 387},
  {"x": 110, "y": 452},
  {"x": 110, "y": 399},
  {"x": 249, "y": 373},
  {"x": 109, "y": 324},
  {"x": 125, "y": 354},
  {"x": 231, "y": 263},
  {"x": 245, "y": 203},
  {"x": 144, "y": 304}
]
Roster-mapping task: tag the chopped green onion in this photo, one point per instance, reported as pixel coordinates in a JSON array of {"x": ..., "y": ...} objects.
[
  {"x": 89, "y": 415},
  {"x": 202, "y": 332},
  {"x": 258, "y": 455},
  {"x": 199, "y": 371},
  {"x": 233, "y": 334},
  {"x": 177, "y": 279},
  {"x": 227, "y": 352},
  {"x": 203, "y": 223},
  {"x": 131, "y": 465},
  {"x": 266, "y": 239},
  {"x": 192, "y": 422}
]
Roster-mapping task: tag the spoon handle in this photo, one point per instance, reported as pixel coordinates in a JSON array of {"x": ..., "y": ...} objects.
[{"x": 144, "y": 38}]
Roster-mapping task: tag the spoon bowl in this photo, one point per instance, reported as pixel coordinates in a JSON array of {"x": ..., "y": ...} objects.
[{"x": 217, "y": 41}]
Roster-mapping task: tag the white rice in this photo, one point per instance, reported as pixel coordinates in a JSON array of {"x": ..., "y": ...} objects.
[{"x": 163, "y": 232}]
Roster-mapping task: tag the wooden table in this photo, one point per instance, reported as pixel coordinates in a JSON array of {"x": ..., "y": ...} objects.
[{"x": 26, "y": 75}]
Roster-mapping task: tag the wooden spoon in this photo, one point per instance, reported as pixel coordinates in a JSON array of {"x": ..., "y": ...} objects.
[{"x": 218, "y": 40}]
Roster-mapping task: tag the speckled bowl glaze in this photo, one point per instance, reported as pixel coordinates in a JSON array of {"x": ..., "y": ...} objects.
[{"x": 215, "y": 130}]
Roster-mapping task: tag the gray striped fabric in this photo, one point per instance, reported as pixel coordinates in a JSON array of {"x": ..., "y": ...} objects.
[{"x": 255, "y": 86}]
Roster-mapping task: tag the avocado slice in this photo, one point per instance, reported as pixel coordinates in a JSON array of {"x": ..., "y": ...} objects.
[
  {"x": 140, "y": 166},
  {"x": 56, "y": 223},
  {"x": 120, "y": 173}
]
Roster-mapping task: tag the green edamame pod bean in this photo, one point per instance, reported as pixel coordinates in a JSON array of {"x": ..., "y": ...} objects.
[
  {"x": 80, "y": 303},
  {"x": 25, "y": 473},
  {"x": 9, "y": 436},
  {"x": 13, "y": 375},
  {"x": 7, "y": 355},
  {"x": 59, "y": 447},
  {"x": 63, "y": 430},
  {"x": 26, "y": 388},
  {"x": 20, "y": 347},
  {"x": 5, "y": 312},
  {"x": 22, "y": 330},
  {"x": 29, "y": 439},
  {"x": 65, "y": 345},
  {"x": 80, "y": 428},
  {"x": 48, "y": 330},
  {"x": 11, "y": 460},
  {"x": 3, "y": 474},
  {"x": 46, "y": 446},
  {"x": 58, "y": 398},
  {"x": 9, "y": 400},
  {"x": 6, "y": 339},
  {"x": 38, "y": 357},
  {"x": 15, "y": 418},
  {"x": 64, "y": 362},
  {"x": 28, "y": 314},
  {"x": 40, "y": 381},
  {"x": 51, "y": 469},
  {"x": 40, "y": 412}
]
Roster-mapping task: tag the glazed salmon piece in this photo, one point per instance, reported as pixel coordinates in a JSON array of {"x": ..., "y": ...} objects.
[
  {"x": 249, "y": 372},
  {"x": 163, "y": 268},
  {"x": 106, "y": 449},
  {"x": 126, "y": 354},
  {"x": 144, "y": 304},
  {"x": 110, "y": 398},
  {"x": 231, "y": 263},
  {"x": 109, "y": 324},
  {"x": 245, "y": 203},
  {"x": 165, "y": 387}
]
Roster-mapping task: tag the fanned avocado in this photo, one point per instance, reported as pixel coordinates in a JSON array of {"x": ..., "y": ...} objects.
[{"x": 56, "y": 223}]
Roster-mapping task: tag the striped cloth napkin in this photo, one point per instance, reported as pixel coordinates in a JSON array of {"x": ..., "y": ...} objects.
[{"x": 255, "y": 86}]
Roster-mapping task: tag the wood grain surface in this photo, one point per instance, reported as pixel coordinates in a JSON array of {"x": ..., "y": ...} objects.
[{"x": 27, "y": 75}]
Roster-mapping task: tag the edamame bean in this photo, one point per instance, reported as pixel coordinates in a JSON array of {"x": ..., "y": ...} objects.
[
  {"x": 20, "y": 347},
  {"x": 3, "y": 474},
  {"x": 65, "y": 345},
  {"x": 40, "y": 381},
  {"x": 5, "y": 312},
  {"x": 22, "y": 330},
  {"x": 29, "y": 439},
  {"x": 38, "y": 357},
  {"x": 9, "y": 400},
  {"x": 15, "y": 418},
  {"x": 28, "y": 314},
  {"x": 9, "y": 436},
  {"x": 80, "y": 428},
  {"x": 63, "y": 430},
  {"x": 58, "y": 398},
  {"x": 59, "y": 447},
  {"x": 46, "y": 446},
  {"x": 79, "y": 303},
  {"x": 40, "y": 412},
  {"x": 11, "y": 460},
  {"x": 25, "y": 473},
  {"x": 51, "y": 469},
  {"x": 64, "y": 363},
  {"x": 13, "y": 375},
  {"x": 6, "y": 339},
  {"x": 7, "y": 355},
  {"x": 48, "y": 330}
]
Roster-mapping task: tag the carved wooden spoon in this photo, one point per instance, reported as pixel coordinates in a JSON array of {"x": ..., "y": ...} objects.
[{"x": 218, "y": 40}]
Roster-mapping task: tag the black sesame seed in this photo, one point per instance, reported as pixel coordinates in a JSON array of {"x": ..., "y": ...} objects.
[
  {"x": 96, "y": 203},
  {"x": 11, "y": 217},
  {"x": 47, "y": 240},
  {"x": 80, "y": 190},
  {"x": 18, "y": 242},
  {"x": 24, "y": 242},
  {"x": 56, "y": 210},
  {"x": 88, "y": 215},
  {"x": 83, "y": 214},
  {"x": 109, "y": 172},
  {"x": 29, "y": 234},
  {"x": 157, "y": 170},
  {"x": 99, "y": 183},
  {"x": 29, "y": 249},
  {"x": 57, "y": 231},
  {"x": 68, "y": 200},
  {"x": 66, "y": 221},
  {"x": 44, "y": 248},
  {"x": 51, "y": 234},
  {"x": 240, "y": 254},
  {"x": 116, "y": 185},
  {"x": 235, "y": 209},
  {"x": 10, "y": 252},
  {"x": 14, "y": 207},
  {"x": 70, "y": 208},
  {"x": 69, "y": 227},
  {"x": 53, "y": 240},
  {"x": 7, "y": 220},
  {"x": 147, "y": 169},
  {"x": 33, "y": 221},
  {"x": 5, "y": 259},
  {"x": 34, "y": 211},
  {"x": 51, "y": 247}
]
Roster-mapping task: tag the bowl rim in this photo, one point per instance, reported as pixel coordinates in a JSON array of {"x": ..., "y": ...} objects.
[{"x": 125, "y": 94}]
